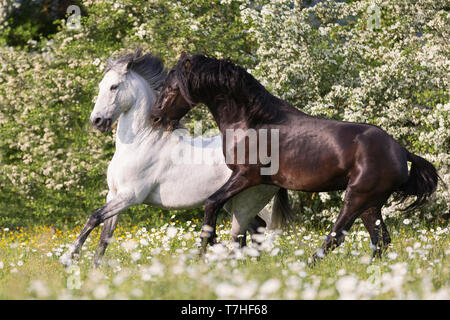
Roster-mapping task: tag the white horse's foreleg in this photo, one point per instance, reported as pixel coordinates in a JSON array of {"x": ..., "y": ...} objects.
[
  {"x": 110, "y": 209},
  {"x": 105, "y": 238}
]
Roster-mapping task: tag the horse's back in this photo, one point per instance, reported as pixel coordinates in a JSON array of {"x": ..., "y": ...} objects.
[{"x": 327, "y": 151}]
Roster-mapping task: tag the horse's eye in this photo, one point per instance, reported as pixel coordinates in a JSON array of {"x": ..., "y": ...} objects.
[{"x": 114, "y": 87}]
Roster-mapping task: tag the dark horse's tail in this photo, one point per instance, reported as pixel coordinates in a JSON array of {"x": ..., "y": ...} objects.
[
  {"x": 422, "y": 182},
  {"x": 282, "y": 213}
]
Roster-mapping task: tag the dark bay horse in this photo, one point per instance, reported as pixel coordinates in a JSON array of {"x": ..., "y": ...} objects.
[{"x": 315, "y": 154}]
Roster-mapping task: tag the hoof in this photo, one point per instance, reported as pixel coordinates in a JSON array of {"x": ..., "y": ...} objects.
[
  {"x": 68, "y": 257},
  {"x": 66, "y": 260},
  {"x": 319, "y": 255}
]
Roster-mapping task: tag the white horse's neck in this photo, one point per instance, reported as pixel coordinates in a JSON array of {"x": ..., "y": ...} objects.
[
  {"x": 135, "y": 134},
  {"x": 134, "y": 125}
]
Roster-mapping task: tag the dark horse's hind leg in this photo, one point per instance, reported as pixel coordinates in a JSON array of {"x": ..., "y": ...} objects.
[
  {"x": 355, "y": 203},
  {"x": 373, "y": 221}
]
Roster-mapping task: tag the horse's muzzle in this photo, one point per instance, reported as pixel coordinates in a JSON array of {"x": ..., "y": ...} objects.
[{"x": 102, "y": 124}]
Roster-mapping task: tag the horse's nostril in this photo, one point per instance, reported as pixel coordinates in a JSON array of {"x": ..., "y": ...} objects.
[
  {"x": 98, "y": 121},
  {"x": 157, "y": 119}
]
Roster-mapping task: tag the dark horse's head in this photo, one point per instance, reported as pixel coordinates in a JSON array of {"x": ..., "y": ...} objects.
[
  {"x": 197, "y": 79},
  {"x": 173, "y": 101}
]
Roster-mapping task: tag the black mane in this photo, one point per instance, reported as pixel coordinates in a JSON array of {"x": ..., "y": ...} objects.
[{"x": 209, "y": 79}]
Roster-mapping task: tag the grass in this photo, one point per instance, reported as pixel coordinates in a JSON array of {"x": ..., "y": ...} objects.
[{"x": 148, "y": 262}]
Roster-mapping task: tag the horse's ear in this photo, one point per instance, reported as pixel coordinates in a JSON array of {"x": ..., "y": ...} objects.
[
  {"x": 187, "y": 62},
  {"x": 126, "y": 66},
  {"x": 187, "y": 65},
  {"x": 109, "y": 64},
  {"x": 138, "y": 53}
]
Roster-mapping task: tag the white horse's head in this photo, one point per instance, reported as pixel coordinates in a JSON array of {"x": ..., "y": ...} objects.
[{"x": 117, "y": 90}]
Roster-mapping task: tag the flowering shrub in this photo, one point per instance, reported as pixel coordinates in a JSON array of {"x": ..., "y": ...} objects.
[{"x": 331, "y": 59}]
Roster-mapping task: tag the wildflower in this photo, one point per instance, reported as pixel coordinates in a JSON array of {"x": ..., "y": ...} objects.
[
  {"x": 129, "y": 245},
  {"x": 275, "y": 252},
  {"x": 101, "y": 291},
  {"x": 39, "y": 288},
  {"x": 270, "y": 286},
  {"x": 258, "y": 237},
  {"x": 224, "y": 290},
  {"x": 341, "y": 272},
  {"x": 136, "y": 292},
  {"x": 346, "y": 287},
  {"x": 251, "y": 251},
  {"x": 365, "y": 259},
  {"x": 171, "y": 232},
  {"x": 246, "y": 290},
  {"x": 135, "y": 256},
  {"x": 120, "y": 278},
  {"x": 392, "y": 255}
]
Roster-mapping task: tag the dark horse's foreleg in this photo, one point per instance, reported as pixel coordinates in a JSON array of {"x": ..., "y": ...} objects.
[
  {"x": 237, "y": 183},
  {"x": 256, "y": 226},
  {"x": 110, "y": 209},
  {"x": 373, "y": 221}
]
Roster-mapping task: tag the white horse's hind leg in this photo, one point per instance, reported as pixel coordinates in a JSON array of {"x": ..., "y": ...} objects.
[
  {"x": 245, "y": 208},
  {"x": 238, "y": 230},
  {"x": 110, "y": 209}
]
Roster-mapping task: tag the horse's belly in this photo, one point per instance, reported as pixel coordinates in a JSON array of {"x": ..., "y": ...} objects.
[
  {"x": 324, "y": 173},
  {"x": 173, "y": 200},
  {"x": 310, "y": 182}
]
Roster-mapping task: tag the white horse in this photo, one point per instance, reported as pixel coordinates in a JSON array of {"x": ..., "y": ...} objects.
[{"x": 144, "y": 170}]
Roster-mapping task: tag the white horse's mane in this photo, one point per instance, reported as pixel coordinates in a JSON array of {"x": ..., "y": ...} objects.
[{"x": 148, "y": 66}]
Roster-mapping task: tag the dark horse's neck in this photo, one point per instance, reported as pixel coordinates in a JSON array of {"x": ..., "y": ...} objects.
[{"x": 234, "y": 97}]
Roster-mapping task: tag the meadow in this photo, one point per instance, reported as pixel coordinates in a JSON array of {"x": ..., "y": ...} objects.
[{"x": 149, "y": 262}]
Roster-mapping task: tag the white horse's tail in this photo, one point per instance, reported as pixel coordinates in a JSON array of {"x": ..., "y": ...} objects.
[{"x": 282, "y": 213}]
